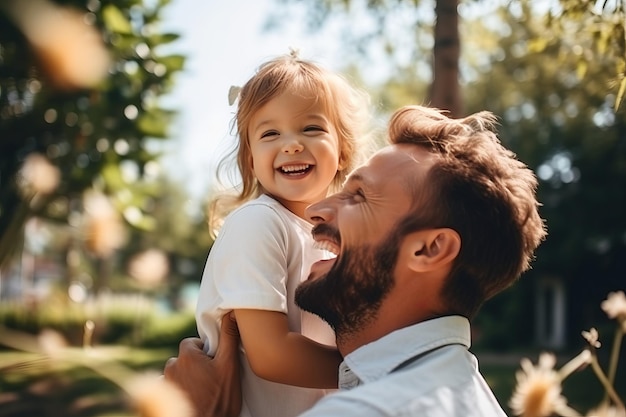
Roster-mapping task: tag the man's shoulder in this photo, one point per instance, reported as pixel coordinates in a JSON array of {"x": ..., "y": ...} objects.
[
  {"x": 442, "y": 383},
  {"x": 396, "y": 395}
]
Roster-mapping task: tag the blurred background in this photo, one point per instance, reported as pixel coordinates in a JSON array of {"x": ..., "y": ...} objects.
[{"x": 114, "y": 113}]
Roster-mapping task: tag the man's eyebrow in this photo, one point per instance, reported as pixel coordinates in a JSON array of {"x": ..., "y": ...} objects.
[{"x": 357, "y": 177}]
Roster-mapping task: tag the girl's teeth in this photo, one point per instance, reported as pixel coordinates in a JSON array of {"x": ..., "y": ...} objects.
[{"x": 293, "y": 168}]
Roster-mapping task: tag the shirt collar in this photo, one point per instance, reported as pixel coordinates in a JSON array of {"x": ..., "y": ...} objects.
[{"x": 377, "y": 359}]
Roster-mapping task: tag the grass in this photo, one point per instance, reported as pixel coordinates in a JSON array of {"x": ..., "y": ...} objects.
[{"x": 33, "y": 386}]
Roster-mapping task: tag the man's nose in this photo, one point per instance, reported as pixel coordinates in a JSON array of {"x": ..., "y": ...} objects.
[{"x": 320, "y": 212}]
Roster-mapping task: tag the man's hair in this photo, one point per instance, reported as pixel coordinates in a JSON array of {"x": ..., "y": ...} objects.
[{"x": 481, "y": 190}]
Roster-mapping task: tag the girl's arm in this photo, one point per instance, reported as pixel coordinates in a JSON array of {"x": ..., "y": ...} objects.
[{"x": 278, "y": 355}]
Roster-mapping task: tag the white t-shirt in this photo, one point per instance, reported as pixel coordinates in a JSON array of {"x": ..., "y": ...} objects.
[{"x": 262, "y": 253}]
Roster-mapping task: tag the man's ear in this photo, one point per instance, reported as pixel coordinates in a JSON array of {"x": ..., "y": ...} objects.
[{"x": 431, "y": 249}]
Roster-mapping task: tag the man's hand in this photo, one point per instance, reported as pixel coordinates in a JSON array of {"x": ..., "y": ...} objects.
[{"x": 212, "y": 385}]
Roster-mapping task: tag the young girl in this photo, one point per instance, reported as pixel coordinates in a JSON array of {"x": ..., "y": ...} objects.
[{"x": 298, "y": 126}]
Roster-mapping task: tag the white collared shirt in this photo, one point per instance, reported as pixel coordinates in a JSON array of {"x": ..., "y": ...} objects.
[{"x": 423, "y": 370}]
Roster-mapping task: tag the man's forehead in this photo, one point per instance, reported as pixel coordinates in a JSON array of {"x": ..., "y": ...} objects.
[
  {"x": 404, "y": 154},
  {"x": 392, "y": 161}
]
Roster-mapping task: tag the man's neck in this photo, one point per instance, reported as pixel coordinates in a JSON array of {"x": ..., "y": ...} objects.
[
  {"x": 385, "y": 323},
  {"x": 348, "y": 342}
]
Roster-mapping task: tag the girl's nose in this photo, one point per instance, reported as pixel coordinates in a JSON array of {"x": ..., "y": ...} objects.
[{"x": 292, "y": 146}]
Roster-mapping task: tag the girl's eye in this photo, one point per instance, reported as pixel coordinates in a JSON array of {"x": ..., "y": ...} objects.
[
  {"x": 314, "y": 129},
  {"x": 269, "y": 134}
]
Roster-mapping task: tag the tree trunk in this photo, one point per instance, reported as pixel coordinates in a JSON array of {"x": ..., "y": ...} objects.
[{"x": 445, "y": 91}]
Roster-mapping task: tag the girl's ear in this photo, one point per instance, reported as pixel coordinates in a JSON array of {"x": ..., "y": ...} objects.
[
  {"x": 250, "y": 161},
  {"x": 341, "y": 164},
  {"x": 431, "y": 249},
  {"x": 343, "y": 159}
]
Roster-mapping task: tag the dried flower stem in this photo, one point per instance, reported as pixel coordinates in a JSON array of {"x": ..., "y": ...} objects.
[
  {"x": 567, "y": 411},
  {"x": 583, "y": 358},
  {"x": 88, "y": 334},
  {"x": 617, "y": 344},
  {"x": 608, "y": 386}
]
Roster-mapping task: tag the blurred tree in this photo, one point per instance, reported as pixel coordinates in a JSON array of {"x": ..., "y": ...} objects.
[
  {"x": 594, "y": 30},
  {"x": 95, "y": 134},
  {"x": 432, "y": 34},
  {"x": 564, "y": 126},
  {"x": 180, "y": 232}
]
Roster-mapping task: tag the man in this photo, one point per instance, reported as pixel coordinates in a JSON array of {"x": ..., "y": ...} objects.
[{"x": 432, "y": 226}]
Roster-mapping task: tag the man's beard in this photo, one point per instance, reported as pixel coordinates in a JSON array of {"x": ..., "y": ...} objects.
[{"x": 349, "y": 296}]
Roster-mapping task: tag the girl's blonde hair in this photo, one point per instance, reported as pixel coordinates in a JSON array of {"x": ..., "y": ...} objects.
[{"x": 346, "y": 106}]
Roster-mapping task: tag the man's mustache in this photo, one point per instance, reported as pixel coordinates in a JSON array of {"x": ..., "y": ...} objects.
[{"x": 325, "y": 230}]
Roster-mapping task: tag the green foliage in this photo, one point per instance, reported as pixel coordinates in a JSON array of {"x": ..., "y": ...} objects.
[
  {"x": 169, "y": 330},
  {"x": 509, "y": 310},
  {"x": 401, "y": 32},
  {"x": 33, "y": 385},
  {"x": 566, "y": 129},
  {"x": 88, "y": 133},
  {"x": 591, "y": 30},
  {"x": 131, "y": 319}
]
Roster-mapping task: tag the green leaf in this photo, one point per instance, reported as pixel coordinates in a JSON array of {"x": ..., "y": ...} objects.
[
  {"x": 173, "y": 62},
  {"x": 164, "y": 38},
  {"x": 581, "y": 69},
  {"x": 113, "y": 176},
  {"x": 115, "y": 20},
  {"x": 537, "y": 45},
  {"x": 620, "y": 93},
  {"x": 146, "y": 223},
  {"x": 154, "y": 123}
]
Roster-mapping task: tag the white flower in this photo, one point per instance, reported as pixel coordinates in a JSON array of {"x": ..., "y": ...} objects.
[
  {"x": 51, "y": 343},
  {"x": 103, "y": 228},
  {"x": 71, "y": 50},
  {"x": 538, "y": 390},
  {"x": 149, "y": 267},
  {"x": 615, "y": 307},
  {"x": 592, "y": 337},
  {"x": 38, "y": 175},
  {"x": 154, "y": 396}
]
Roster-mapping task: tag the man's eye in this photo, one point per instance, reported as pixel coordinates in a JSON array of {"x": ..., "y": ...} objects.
[{"x": 358, "y": 196}]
